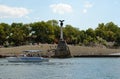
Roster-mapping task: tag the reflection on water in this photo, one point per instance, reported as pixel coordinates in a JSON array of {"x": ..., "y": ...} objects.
[
  {"x": 72, "y": 68},
  {"x": 4, "y": 62}
]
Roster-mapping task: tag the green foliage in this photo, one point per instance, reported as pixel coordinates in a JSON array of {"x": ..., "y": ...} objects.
[
  {"x": 90, "y": 32},
  {"x": 49, "y": 32},
  {"x": 4, "y": 31},
  {"x": 71, "y": 34},
  {"x": 101, "y": 41},
  {"x": 117, "y": 36},
  {"x": 18, "y": 34}
]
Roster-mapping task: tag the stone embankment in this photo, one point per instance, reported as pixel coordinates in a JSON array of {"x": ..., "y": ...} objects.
[{"x": 48, "y": 50}]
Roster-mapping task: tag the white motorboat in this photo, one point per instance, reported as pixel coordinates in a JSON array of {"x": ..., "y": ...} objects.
[{"x": 28, "y": 56}]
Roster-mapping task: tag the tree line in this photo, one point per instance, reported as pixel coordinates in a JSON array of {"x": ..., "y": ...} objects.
[{"x": 49, "y": 32}]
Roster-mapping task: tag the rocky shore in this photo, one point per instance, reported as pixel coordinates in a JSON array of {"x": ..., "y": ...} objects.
[{"x": 48, "y": 50}]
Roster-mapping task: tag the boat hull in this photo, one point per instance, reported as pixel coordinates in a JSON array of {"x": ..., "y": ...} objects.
[{"x": 26, "y": 59}]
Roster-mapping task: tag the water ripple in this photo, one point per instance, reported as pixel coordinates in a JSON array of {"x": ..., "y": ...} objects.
[{"x": 73, "y": 68}]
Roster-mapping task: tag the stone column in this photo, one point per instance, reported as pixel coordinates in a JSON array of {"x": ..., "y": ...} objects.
[
  {"x": 62, "y": 50},
  {"x": 61, "y": 29}
]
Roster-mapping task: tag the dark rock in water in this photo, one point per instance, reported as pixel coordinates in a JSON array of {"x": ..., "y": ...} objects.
[{"x": 62, "y": 50}]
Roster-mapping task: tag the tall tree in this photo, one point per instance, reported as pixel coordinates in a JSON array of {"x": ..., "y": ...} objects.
[
  {"x": 71, "y": 34},
  {"x": 18, "y": 34},
  {"x": 4, "y": 32}
]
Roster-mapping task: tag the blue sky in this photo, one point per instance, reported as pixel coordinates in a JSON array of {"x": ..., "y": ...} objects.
[{"x": 82, "y": 14}]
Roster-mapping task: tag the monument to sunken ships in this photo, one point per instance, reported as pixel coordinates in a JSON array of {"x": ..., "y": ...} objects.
[{"x": 62, "y": 50}]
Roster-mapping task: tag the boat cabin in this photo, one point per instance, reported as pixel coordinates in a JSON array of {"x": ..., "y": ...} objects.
[{"x": 32, "y": 53}]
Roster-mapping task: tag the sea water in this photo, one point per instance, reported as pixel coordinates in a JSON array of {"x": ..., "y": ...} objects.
[{"x": 71, "y": 68}]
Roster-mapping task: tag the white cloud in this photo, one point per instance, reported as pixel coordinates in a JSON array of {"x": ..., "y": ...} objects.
[
  {"x": 12, "y": 12},
  {"x": 87, "y": 6},
  {"x": 61, "y": 8}
]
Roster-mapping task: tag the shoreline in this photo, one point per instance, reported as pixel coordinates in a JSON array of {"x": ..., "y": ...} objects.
[
  {"x": 82, "y": 56},
  {"x": 76, "y": 51}
]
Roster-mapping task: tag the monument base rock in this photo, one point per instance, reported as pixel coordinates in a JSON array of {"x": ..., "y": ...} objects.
[{"x": 62, "y": 50}]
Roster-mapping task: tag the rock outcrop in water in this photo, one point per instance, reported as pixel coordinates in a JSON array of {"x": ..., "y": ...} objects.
[{"x": 62, "y": 50}]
